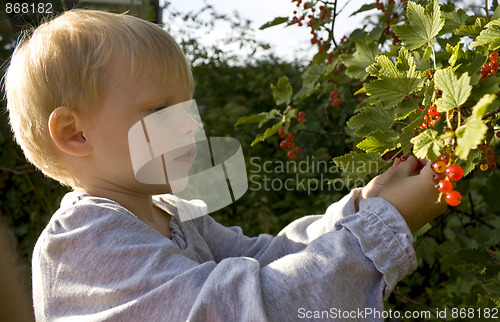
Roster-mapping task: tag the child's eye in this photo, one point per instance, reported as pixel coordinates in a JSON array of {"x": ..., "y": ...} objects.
[{"x": 156, "y": 109}]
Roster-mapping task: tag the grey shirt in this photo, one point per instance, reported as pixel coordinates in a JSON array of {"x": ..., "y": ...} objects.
[{"x": 96, "y": 261}]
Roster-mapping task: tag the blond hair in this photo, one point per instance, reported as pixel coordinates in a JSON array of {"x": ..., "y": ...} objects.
[{"x": 69, "y": 61}]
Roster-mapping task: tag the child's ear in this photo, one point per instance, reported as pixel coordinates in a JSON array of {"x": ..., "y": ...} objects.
[{"x": 65, "y": 127}]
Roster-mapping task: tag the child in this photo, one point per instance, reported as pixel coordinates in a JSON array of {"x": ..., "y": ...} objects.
[{"x": 114, "y": 252}]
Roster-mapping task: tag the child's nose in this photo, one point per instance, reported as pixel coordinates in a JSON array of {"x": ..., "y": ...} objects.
[{"x": 188, "y": 125}]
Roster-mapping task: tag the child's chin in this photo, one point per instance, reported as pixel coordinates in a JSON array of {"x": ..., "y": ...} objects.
[{"x": 179, "y": 185}]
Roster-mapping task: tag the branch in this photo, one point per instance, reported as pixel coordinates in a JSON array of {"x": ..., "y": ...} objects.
[
  {"x": 491, "y": 113},
  {"x": 325, "y": 133},
  {"x": 406, "y": 299},
  {"x": 19, "y": 170}
]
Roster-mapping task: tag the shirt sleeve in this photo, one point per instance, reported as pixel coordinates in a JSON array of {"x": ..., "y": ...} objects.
[{"x": 126, "y": 271}]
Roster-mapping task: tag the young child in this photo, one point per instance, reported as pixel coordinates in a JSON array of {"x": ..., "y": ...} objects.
[{"x": 117, "y": 250}]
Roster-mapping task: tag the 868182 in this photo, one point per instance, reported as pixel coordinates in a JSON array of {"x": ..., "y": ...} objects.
[{"x": 27, "y": 8}]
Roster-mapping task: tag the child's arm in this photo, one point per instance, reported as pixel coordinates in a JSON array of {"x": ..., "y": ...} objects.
[{"x": 104, "y": 264}]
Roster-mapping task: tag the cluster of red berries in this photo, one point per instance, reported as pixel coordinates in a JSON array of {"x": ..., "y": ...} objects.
[
  {"x": 445, "y": 175},
  {"x": 488, "y": 159},
  {"x": 289, "y": 144},
  {"x": 491, "y": 67},
  {"x": 431, "y": 117},
  {"x": 315, "y": 20},
  {"x": 334, "y": 98},
  {"x": 380, "y": 6}
]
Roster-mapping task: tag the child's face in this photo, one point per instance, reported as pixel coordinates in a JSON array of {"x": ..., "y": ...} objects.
[{"x": 126, "y": 103}]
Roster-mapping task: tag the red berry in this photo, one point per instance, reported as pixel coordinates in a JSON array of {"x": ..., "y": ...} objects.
[
  {"x": 492, "y": 165},
  {"x": 493, "y": 56},
  {"x": 290, "y": 137},
  {"x": 404, "y": 157},
  {"x": 445, "y": 186},
  {"x": 436, "y": 177},
  {"x": 298, "y": 150},
  {"x": 284, "y": 144},
  {"x": 281, "y": 132},
  {"x": 490, "y": 158},
  {"x": 453, "y": 198},
  {"x": 493, "y": 65},
  {"x": 445, "y": 157},
  {"x": 454, "y": 172},
  {"x": 290, "y": 154},
  {"x": 438, "y": 166},
  {"x": 433, "y": 111},
  {"x": 498, "y": 134},
  {"x": 302, "y": 115},
  {"x": 493, "y": 72}
]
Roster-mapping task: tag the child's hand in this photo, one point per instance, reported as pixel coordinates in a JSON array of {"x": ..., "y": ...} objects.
[
  {"x": 373, "y": 188},
  {"x": 411, "y": 192}
]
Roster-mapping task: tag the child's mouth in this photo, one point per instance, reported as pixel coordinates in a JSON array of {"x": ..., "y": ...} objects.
[{"x": 188, "y": 155}]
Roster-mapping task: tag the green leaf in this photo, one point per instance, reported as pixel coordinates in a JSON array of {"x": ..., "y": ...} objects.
[
  {"x": 309, "y": 79},
  {"x": 426, "y": 145},
  {"x": 490, "y": 35},
  {"x": 455, "y": 52},
  {"x": 379, "y": 142},
  {"x": 268, "y": 133},
  {"x": 404, "y": 109},
  {"x": 472, "y": 30},
  {"x": 275, "y": 22},
  {"x": 365, "y": 7},
  {"x": 282, "y": 93},
  {"x": 453, "y": 20},
  {"x": 424, "y": 25},
  {"x": 360, "y": 164},
  {"x": 255, "y": 118},
  {"x": 427, "y": 249},
  {"x": 395, "y": 80},
  {"x": 371, "y": 119},
  {"x": 408, "y": 131},
  {"x": 471, "y": 162},
  {"x": 472, "y": 133},
  {"x": 357, "y": 62},
  {"x": 455, "y": 92}
]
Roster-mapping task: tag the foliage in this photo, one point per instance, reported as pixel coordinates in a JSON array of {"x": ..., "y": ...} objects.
[{"x": 416, "y": 79}]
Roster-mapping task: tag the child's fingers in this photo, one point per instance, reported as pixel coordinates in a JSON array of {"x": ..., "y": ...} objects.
[{"x": 407, "y": 168}]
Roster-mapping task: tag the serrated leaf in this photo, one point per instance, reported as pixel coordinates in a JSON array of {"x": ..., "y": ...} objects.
[
  {"x": 379, "y": 142},
  {"x": 472, "y": 30},
  {"x": 357, "y": 62},
  {"x": 455, "y": 51},
  {"x": 360, "y": 164},
  {"x": 453, "y": 20},
  {"x": 404, "y": 109},
  {"x": 276, "y": 21},
  {"x": 365, "y": 7},
  {"x": 455, "y": 92},
  {"x": 472, "y": 160},
  {"x": 309, "y": 78},
  {"x": 424, "y": 25},
  {"x": 426, "y": 145},
  {"x": 474, "y": 130},
  {"x": 427, "y": 249},
  {"x": 490, "y": 35},
  {"x": 371, "y": 119},
  {"x": 395, "y": 80},
  {"x": 254, "y": 118},
  {"x": 493, "y": 289},
  {"x": 269, "y": 132},
  {"x": 408, "y": 131},
  {"x": 282, "y": 92}
]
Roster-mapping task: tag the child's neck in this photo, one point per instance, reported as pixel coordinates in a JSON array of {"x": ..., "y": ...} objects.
[{"x": 140, "y": 206}]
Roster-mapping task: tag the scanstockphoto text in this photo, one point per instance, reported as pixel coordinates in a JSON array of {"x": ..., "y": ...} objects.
[{"x": 306, "y": 175}]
